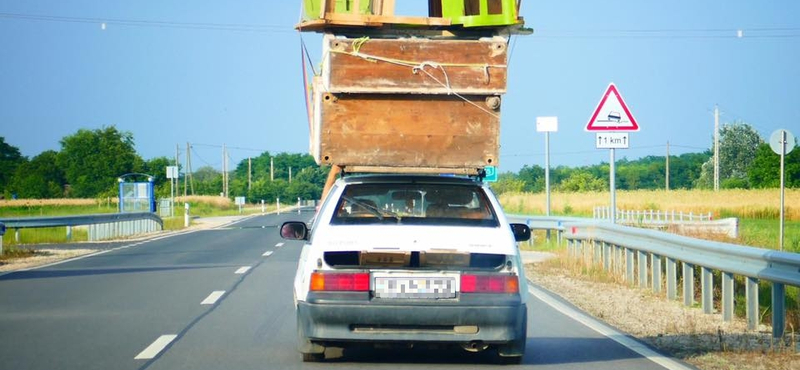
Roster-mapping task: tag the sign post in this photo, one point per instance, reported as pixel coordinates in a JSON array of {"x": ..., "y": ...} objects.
[
  {"x": 782, "y": 143},
  {"x": 611, "y": 121},
  {"x": 547, "y": 125},
  {"x": 172, "y": 173}
]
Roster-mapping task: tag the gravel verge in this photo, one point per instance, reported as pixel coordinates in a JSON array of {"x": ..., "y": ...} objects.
[{"x": 705, "y": 341}]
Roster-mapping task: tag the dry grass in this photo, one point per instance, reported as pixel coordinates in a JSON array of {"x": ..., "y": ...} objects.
[
  {"x": 758, "y": 204},
  {"x": 216, "y": 201},
  {"x": 54, "y": 202}
]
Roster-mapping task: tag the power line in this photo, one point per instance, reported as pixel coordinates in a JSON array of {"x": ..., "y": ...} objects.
[{"x": 262, "y": 28}]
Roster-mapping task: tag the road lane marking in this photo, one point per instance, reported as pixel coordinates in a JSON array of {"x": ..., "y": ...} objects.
[
  {"x": 267, "y": 254},
  {"x": 278, "y": 245},
  {"x": 156, "y": 347},
  {"x": 607, "y": 331},
  {"x": 242, "y": 270},
  {"x": 213, "y": 297}
]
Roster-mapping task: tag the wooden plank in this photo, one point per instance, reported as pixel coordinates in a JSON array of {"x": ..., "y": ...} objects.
[
  {"x": 400, "y": 169},
  {"x": 367, "y": 19},
  {"x": 475, "y": 67},
  {"x": 407, "y": 131}
]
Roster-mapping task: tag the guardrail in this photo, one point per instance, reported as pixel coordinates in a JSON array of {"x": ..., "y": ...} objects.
[
  {"x": 651, "y": 259},
  {"x": 100, "y": 226},
  {"x": 683, "y": 222}
]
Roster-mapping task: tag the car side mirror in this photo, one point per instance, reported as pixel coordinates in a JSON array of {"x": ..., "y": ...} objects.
[
  {"x": 521, "y": 232},
  {"x": 294, "y": 230}
]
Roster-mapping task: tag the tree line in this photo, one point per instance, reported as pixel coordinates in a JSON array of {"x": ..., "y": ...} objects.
[{"x": 90, "y": 161}]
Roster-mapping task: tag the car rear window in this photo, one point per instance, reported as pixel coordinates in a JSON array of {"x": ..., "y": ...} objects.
[{"x": 425, "y": 204}]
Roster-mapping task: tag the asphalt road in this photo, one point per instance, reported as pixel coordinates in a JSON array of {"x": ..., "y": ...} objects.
[{"x": 141, "y": 307}]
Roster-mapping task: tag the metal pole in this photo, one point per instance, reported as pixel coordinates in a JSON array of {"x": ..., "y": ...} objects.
[
  {"x": 716, "y": 148},
  {"x": 547, "y": 176},
  {"x": 783, "y": 157},
  {"x": 613, "y": 187}
]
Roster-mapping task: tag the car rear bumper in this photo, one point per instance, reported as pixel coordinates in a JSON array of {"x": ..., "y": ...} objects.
[{"x": 500, "y": 320}]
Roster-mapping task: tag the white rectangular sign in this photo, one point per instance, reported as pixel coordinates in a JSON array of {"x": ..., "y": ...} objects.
[
  {"x": 172, "y": 172},
  {"x": 612, "y": 140},
  {"x": 546, "y": 124},
  {"x": 239, "y": 201}
]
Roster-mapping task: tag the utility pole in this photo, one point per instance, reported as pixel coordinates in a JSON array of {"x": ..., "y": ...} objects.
[
  {"x": 178, "y": 165},
  {"x": 189, "y": 166},
  {"x": 716, "y": 148},
  {"x": 249, "y": 173},
  {"x": 667, "y": 165},
  {"x": 290, "y": 174},
  {"x": 187, "y": 171},
  {"x": 224, "y": 173},
  {"x": 271, "y": 169}
]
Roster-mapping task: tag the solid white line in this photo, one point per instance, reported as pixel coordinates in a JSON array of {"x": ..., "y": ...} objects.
[
  {"x": 242, "y": 270},
  {"x": 267, "y": 254},
  {"x": 278, "y": 245},
  {"x": 607, "y": 331},
  {"x": 154, "y": 349},
  {"x": 213, "y": 297}
]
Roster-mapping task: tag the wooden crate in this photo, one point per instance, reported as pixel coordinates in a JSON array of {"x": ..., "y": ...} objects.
[{"x": 371, "y": 112}]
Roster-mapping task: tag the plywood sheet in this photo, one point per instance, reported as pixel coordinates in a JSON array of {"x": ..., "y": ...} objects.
[{"x": 404, "y": 130}]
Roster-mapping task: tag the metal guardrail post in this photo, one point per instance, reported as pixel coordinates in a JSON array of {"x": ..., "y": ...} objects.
[
  {"x": 655, "y": 268},
  {"x": 606, "y": 256},
  {"x": 672, "y": 279},
  {"x": 727, "y": 296},
  {"x": 688, "y": 284},
  {"x": 642, "y": 259},
  {"x": 707, "y": 281},
  {"x": 69, "y": 233},
  {"x": 778, "y": 309},
  {"x": 16, "y": 235},
  {"x": 629, "y": 273},
  {"x": 751, "y": 293}
]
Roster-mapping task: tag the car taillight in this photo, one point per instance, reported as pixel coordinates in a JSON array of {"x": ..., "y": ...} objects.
[
  {"x": 352, "y": 282},
  {"x": 489, "y": 283}
]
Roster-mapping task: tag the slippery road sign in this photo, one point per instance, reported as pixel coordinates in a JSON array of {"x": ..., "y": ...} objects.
[{"x": 612, "y": 114}]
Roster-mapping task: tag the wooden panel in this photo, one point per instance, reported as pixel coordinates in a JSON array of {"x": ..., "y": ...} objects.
[
  {"x": 408, "y": 131},
  {"x": 463, "y": 66}
]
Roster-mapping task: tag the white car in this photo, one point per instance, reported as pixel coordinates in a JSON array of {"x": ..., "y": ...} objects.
[{"x": 410, "y": 260}]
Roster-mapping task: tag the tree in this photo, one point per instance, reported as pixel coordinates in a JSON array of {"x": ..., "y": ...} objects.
[
  {"x": 207, "y": 181},
  {"x": 156, "y": 167},
  {"x": 582, "y": 181},
  {"x": 766, "y": 168},
  {"x": 39, "y": 178},
  {"x": 738, "y": 144},
  {"x": 508, "y": 182},
  {"x": 93, "y": 160},
  {"x": 10, "y": 159}
]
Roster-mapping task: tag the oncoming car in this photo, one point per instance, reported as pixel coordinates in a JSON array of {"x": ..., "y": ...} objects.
[{"x": 410, "y": 260}]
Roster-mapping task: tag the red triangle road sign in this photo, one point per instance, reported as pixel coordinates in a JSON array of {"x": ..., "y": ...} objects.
[{"x": 612, "y": 114}]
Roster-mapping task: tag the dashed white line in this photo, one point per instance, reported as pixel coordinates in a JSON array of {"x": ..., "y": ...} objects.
[
  {"x": 213, "y": 297},
  {"x": 267, "y": 254},
  {"x": 278, "y": 245},
  {"x": 242, "y": 270},
  {"x": 154, "y": 349}
]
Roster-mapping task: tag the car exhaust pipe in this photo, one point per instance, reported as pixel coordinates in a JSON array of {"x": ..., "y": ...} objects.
[{"x": 474, "y": 346}]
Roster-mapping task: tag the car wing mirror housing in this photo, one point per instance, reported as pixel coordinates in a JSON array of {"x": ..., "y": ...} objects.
[
  {"x": 294, "y": 230},
  {"x": 521, "y": 232}
]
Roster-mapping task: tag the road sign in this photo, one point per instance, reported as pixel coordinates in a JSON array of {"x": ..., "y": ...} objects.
[
  {"x": 612, "y": 114},
  {"x": 777, "y": 143},
  {"x": 546, "y": 124},
  {"x": 491, "y": 174},
  {"x": 612, "y": 140},
  {"x": 172, "y": 172}
]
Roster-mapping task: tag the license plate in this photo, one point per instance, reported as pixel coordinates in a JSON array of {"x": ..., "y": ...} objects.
[{"x": 416, "y": 287}]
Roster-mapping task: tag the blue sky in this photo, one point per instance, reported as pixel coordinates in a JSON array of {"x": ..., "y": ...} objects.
[{"x": 213, "y": 72}]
